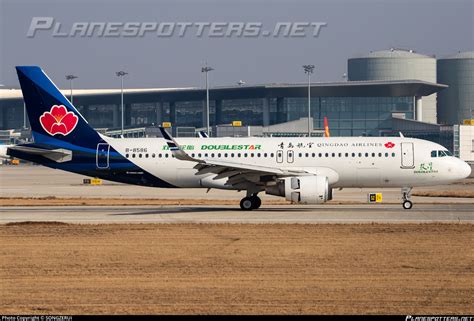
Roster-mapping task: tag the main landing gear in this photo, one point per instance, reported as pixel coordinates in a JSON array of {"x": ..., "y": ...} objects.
[
  {"x": 407, "y": 204},
  {"x": 250, "y": 202}
]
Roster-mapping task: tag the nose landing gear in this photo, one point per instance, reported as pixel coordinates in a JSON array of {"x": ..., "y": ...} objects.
[
  {"x": 407, "y": 204},
  {"x": 249, "y": 203}
]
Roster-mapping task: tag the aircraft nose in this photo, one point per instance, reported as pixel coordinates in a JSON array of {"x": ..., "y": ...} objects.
[{"x": 465, "y": 170}]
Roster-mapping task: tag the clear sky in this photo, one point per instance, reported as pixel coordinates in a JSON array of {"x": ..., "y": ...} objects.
[{"x": 353, "y": 28}]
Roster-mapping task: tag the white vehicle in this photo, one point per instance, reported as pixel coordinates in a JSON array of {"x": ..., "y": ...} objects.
[{"x": 303, "y": 170}]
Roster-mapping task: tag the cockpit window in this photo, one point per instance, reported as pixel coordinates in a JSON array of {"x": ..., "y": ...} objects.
[
  {"x": 440, "y": 153},
  {"x": 443, "y": 153}
]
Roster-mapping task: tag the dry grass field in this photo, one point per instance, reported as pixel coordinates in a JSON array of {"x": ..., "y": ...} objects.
[{"x": 56, "y": 268}]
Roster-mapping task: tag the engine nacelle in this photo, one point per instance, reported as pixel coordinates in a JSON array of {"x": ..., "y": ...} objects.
[{"x": 302, "y": 189}]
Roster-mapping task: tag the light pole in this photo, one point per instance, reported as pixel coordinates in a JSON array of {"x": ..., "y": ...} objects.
[
  {"x": 71, "y": 78},
  {"x": 308, "y": 69},
  {"x": 206, "y": 69},
  {"x": 121, "y": 74}
]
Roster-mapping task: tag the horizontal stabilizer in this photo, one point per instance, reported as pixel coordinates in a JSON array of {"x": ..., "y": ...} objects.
[{"x": 60, "y": 155}]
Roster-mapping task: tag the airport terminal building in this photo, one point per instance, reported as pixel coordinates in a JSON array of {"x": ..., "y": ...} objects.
[{"x": 353, "y": 108}]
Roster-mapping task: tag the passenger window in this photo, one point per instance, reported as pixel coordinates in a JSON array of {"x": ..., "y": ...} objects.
[
  {"x": 159, "y": 155},
  {"x": 166, "y": 155},
  {"x": 373, "y": 154},
  {"x": 153, "y": 155},
  {"x": 366, "y": 154},
  {"x": 139, "y": 155},
  {"x": 225, "y": 155},
  {"x": 146, "y": 155},
  {"x": 333, "y": 155},
  {"x": 272, "y": 155},
  {"x": 258, "y": 154},
  {"x": 238, "y": 155},
  {"x": 212, "y": 155},
  {"x": 360, "y": 154},
  {"x": 251, "y": 154},
  {"x": 353, "y": 155},
  {"x": 264, "y": 154},
  {"x": 347, "y": 155},
  {"x": 205, "y": 155},
  {"x": 393, "y": 154},
  {"x": 339, "y": 155},
  {"x": 306, "y": 155},
  {"x": 326, "y": 155},
  {"x": 380, "y": 154},
  {"x": 126, "y": 155},
  {"x": 386, "y": 154},
  {"x": 300, "y": 155},
  {"x": 219, "y": 155},
  {"x": 313, "y": 155},
  {"x": 433, "y": 153},
  {"x": 320, "y": 155}
]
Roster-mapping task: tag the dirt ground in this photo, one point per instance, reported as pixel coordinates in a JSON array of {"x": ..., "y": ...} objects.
[{"x": 56, "y": 268}]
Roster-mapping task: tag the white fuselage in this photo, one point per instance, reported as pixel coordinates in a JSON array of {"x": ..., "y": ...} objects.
[{"x": 346, "y": 161}]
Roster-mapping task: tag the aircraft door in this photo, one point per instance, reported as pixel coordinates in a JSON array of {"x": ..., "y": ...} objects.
[
  {"x": 407, "y": 155},
  {"x": 102, "y": 156},
  {"x": 290, "y": 156}
]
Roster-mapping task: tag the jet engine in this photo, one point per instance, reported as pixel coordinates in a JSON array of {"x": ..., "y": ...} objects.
[{"x": 302, "y": 189}]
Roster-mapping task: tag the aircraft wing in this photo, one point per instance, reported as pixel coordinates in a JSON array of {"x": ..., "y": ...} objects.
[{"x": 237, "y": 174}]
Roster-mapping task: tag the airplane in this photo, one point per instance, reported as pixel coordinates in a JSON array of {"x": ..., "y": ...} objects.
[
  {"x": 304, "y": 170},
  {"x": 3, "y": 151},
  {"x": 326, "y": 127}
]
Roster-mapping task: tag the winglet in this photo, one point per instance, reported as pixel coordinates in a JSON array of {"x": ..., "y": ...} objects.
[
  {"x": 203, "y": 134},
  {"x": 174, "y": 147},
  {"x": 401, "y": 135}
]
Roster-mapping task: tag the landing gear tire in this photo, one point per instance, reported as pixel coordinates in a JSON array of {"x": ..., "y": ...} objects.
[
  {"x": 407, "y": 205},
  {"x": 246, "y": 204},
  {"x": 256, "y": 201},
  {"x": 250, "y": 203}
]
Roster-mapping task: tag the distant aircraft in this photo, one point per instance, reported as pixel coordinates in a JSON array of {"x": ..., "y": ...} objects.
[
  {"x": 3, "y": 151},
  {"x": 301, "y": 169},
  {"x": 326, "y": 127}
]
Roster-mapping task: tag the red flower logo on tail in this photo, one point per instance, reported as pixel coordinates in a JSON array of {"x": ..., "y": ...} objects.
[
  {"x": 58, "y": 120},
  {"x": 389, "y": 145}
]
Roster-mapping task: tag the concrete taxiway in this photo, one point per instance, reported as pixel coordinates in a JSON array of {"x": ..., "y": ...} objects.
[{"x": 422, "y": 213}]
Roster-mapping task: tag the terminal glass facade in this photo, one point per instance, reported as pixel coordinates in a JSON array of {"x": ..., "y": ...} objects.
[
  {"x": 351, "y": 116},
  {"x": 347, "y": 116}
]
